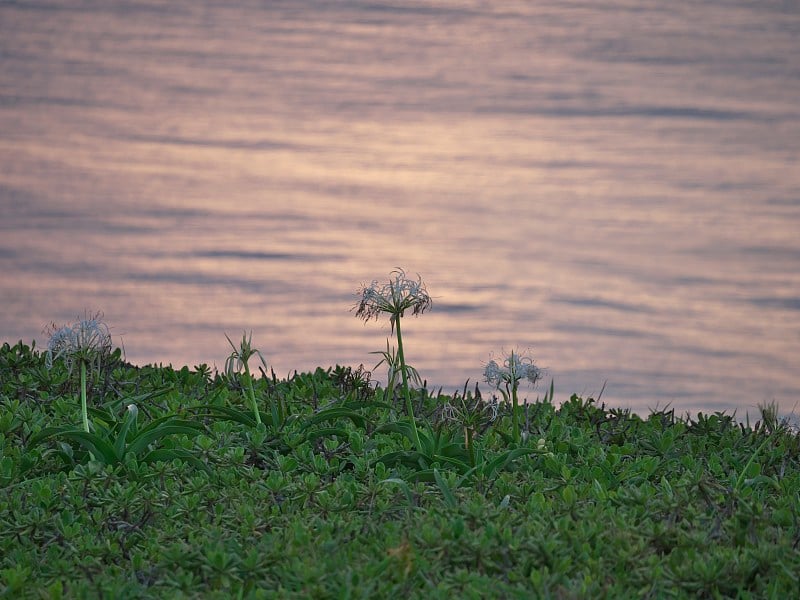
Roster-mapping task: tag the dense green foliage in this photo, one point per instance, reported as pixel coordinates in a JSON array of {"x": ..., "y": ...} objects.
[{"x": 183, "y": 494}]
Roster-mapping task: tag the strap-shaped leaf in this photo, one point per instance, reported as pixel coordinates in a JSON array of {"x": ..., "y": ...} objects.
[
  {"x": 403, "y": 487},
  {"x": 140, "y": 399},
  {"x": 406, "y": 429},
  {"x": 47, "y": 433},
  {"x": 461, "y": 466},
  {"x": 447, "y": 493},
  {"x": 150, "y": 436},
  {"x": 500, "y": 462},
  {"x": 172, "y": 420},
  {"x": 100, "y": 448},
  {"x": 409, "y": 458},
  {"x": 336, "y": 413},
  {"x": 226, "y": 413},
  {"x": 131, "y": 414},
  {"x": 425, "y": 475}
]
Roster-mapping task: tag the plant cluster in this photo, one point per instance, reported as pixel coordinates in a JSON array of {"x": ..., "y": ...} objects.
[{"x": 189, "y": 483}]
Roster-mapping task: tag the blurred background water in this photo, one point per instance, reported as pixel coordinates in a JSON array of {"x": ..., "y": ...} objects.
[{"x": 612, "y": 185}]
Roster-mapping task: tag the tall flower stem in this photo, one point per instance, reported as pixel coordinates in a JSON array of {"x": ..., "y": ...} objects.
[
  {"x": 401, "y": 356},
  {"x": 252, "y": 394},
  {"x": 515, "y": 413},
  {"x": 84, "y": 410}
]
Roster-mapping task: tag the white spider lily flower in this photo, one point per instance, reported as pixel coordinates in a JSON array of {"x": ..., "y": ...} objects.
[
  {"x": 506, "y": 380},
  {"x": 398, "y": 295},
  {"x": 84, "y": 343},
  {"x": 61, "y": 341},
  {"x": 84, "y": 340},
  {"x": 515, "y": 368}
]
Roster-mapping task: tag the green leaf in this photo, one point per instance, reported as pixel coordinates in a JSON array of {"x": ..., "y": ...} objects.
[
  {"x": 131, "y": 415},
  {"x": 147, "y": 437},
  {"x": 98, "y": 446},
  {"x": 461, "y": 466},
  {"x": 336, "y": 413},
  {"x": 408, "y": 458},
  {"x": 425, "y": 475},
  {"x": 6, "y": 470},
  {"x": 404, "y": 428},
  {"x": 753, "y": 470},
  {"x": 569, "y": 495},
  {"x": 276, "y": 415},
  {"x": 599, "y": 491},
  {"x": 500, "y": 462},
  {"x": 763, "y": 480},
  {"x": 149, "y": 395},
  {"x": 447, "y": 493},
  {"x": 226, "y": 413},
  {"x": 47, "y": 433},
  {"x": 102, "y": 414},
  {"x": 403, "y": 487},
  {"x": 172, "y": 420}
]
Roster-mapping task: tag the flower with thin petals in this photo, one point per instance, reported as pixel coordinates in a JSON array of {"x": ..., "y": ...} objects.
[
  {"x": 515, "y": 368},
  {"x": 398, "y": 295},
  {"x": 506, "y": 380},
  {"x": 85, "y": 343},
  {"x": 85, "y": 340},
  {"x": 62, "y": 340}
]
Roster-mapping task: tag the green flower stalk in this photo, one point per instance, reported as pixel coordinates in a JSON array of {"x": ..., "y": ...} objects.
[
  {"x": 394, "y": 298},
  {"x": 506, "y": 380},
  {"x": 85, "y": 344},
  {"x": 237, "y": 361}
]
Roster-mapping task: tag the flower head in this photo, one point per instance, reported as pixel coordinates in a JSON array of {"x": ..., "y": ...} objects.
[
  {"x": 62, "y": 339},
  {"x": 395, "y": 297},
  {"x": 85, "y": 340},
  {"x": 240, "y": 356},
  {"x": 515, "y": 368}
]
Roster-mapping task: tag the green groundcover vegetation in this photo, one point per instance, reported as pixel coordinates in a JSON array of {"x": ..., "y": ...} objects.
[{"x": 176, "y": 491}]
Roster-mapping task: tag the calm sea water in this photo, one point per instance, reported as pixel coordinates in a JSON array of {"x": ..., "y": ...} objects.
[{"x": 613, "y": 185}]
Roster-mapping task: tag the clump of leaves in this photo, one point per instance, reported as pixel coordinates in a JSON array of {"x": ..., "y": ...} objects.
[
  {"x": 470, "y": 412},
  {"x": 114, "y": 442}
]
